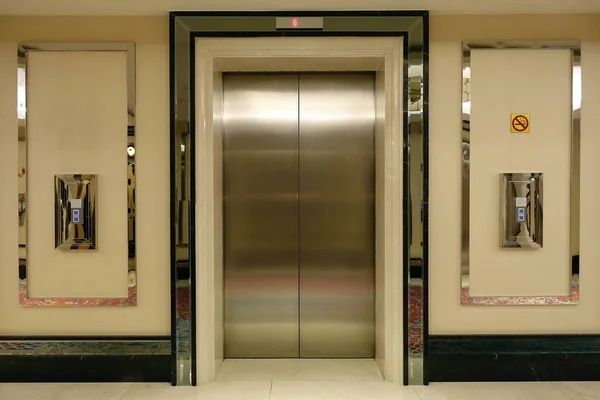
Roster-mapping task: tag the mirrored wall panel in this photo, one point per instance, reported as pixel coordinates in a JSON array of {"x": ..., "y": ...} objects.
[
  {"x": 520, "y": 158},
  {"x": 59, "y": 187},
  {"x": 416, "y": 171}
]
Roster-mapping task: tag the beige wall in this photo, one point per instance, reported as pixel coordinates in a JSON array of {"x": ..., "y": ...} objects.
[
  {"x": 447, "y": 315},
  {"x": 151, "y": 315},
  {"x": 76, "y": 111},
  {"x": 529, "y": 82}
]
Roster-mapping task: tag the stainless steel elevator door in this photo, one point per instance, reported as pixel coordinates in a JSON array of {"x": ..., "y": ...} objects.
[
  {"x": 298, "y": 210},
  {"x": 337, "y": 215},
  {"x": 260, "y": 215}
]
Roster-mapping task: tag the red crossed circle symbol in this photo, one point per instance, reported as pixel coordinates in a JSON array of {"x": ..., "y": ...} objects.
[{"x": 520, "y": 123}]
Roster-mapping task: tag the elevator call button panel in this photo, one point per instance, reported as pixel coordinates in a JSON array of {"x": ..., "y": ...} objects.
[
  {"x": 75, "y": 212},
  {"x": 521, "y": 214}
]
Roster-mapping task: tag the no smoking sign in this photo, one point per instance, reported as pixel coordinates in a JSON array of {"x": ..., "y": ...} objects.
[{"x": 520, "y": 123}]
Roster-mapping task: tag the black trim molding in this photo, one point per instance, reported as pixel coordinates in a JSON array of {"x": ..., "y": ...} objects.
[
  {"x": 508, "y": 358},
  {"x": 86, "y": 368},
  {"x": 85, "y": 359},
  {"x": 185, "y": 27}
]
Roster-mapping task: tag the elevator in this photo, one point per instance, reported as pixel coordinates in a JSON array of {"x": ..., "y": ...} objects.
[{"x": 299, "y": 215}]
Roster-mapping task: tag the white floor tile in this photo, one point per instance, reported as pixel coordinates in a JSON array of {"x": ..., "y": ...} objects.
[
  {"x": 235, "y": 391},
  {"x": 159, "y": 391},
  {"x": 209, "y": 391},
  {"x": 491, "y": 391},
  {"x": 338, "y": 390},
  {"x": 303, "y": 389},
  {"x": 63, "y": 391},
  {"x": 258, "y": 370},
  {"x": 580, "y": 390},
  {"x": 300, "y": 370}
]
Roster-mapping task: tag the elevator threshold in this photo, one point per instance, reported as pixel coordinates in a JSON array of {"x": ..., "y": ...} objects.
[{"x": 305, "y": 369}]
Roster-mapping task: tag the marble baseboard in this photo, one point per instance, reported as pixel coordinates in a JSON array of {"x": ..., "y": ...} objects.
[
  {"x": 513, "y": 358},
  {"x": 84, "y": 347},
  {"x": 90, "y": 368}
]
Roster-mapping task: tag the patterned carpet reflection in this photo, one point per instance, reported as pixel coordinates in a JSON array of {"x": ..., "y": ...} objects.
[
  {"x": 184, "y": 345},
  {"x": 54, "y": 347},
  {"x": 415, "y": 320},
  {"x": 415, "y": 323}
]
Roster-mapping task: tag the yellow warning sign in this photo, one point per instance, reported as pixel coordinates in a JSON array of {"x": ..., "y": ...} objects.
[{"x": 520, "y": 123}]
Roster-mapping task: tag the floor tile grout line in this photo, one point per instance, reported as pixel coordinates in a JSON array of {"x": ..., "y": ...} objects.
[
  {"x": 562, "y": 390},
  {"x": 416, "y": 392},
  {"x": 126, "y": 390}
]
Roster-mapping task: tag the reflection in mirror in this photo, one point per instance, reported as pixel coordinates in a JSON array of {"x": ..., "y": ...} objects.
[
  {"x": 22, "y": 182},
  {"x": 74, "y": 347},
  {"x": 181, "y": 207},
  {"x": 22, "y": 208},
  {"x": 416, "y": 170},
  {"x": 521, "y": 210},
  {"x": 131, "y": 185},
  {"x": 75, "y": 212}
]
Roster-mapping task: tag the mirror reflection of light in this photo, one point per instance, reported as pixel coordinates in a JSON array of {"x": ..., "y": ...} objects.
[
  {"x": 415, "y": 70},
  {"x": 263, "y": 115},
  {"x": 467, "y": 73},
  {"x": 271, "y": 113},
  {"x": 466, "y": 107},
  {"x": 328, "y": 111},
  {"x": 130, "y": 151},
  {"x": 330, "y": 114},
  {"x": 21, "y": 94},
  {"x": 337, "y": 115},
  {"x": 576, "y": 88}
]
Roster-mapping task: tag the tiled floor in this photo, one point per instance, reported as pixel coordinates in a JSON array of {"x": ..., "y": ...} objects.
[
  {"x": 304, "y": 390},
  {"x": 300, "y": 370}
]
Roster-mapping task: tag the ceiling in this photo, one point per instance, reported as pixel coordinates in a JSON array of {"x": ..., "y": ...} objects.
[{"x": 161, "y": 7}]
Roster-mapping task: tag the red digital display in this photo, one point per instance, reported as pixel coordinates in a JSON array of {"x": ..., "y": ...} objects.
[{"x": 299, "y": 23}]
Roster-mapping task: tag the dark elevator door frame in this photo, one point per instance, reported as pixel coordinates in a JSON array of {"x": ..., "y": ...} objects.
[{"x": 298, "y": 190}]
